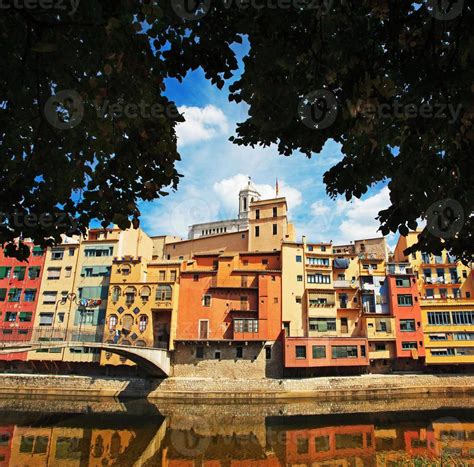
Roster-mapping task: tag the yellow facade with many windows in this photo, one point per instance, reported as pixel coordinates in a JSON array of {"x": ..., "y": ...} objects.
[{"x": 447, "y": 304}]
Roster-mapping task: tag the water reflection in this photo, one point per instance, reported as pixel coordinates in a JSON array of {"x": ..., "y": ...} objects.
[{"x": 127, "y": 439}]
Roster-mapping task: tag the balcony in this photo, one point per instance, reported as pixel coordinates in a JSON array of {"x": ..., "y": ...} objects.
[
  {"x": 245, "y": 329},
  {"x": 343, "y": 284},
  {"x": 399, "y": 269}
]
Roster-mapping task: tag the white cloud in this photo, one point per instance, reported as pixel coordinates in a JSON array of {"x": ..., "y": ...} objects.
[
  {"x": 227, "y": 191},
  {"x": 359, "y": 221},
  {"x": 319, "y": 208},
  {"x": 202, "y": 124}
]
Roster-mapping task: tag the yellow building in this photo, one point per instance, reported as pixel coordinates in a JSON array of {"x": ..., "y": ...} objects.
[
  {"x": 142, "y": 305},
  {"x": 447, "y": 304},
  {"x": 268, "y": 225},
  {"x": 54, "y": 310}
]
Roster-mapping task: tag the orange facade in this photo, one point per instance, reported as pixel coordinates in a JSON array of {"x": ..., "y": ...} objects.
[
  {"x": 404, "y": 300},
  {"x": 232, "y": 296}
]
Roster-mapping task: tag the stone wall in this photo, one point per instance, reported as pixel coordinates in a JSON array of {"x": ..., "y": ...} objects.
[{"x": 220, "y": 360}]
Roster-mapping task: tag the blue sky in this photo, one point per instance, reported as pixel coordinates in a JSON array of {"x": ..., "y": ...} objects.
[{"x": 214, "y": 170}]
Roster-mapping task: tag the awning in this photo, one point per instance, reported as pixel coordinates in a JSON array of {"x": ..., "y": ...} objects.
[
  {"x": 130, "y": 289},
  {"x": 145, "y": 292},
  {"x": 340, "y": 263}
]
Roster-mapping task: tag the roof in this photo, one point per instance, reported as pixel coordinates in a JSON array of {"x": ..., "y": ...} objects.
[{"x": 268, "y": 201}]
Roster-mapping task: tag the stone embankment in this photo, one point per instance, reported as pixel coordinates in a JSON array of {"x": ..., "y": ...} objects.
[{"x": 325, "y": 388}]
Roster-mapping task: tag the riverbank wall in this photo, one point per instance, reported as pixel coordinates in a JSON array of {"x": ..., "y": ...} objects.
[{"x": 200, "y": 389}]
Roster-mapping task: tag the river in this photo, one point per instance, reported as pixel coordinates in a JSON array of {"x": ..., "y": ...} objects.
[{"x": 103, "y": 432}]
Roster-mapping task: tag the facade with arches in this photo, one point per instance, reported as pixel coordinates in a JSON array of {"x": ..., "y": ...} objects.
[{"x": 142, "y": 306}]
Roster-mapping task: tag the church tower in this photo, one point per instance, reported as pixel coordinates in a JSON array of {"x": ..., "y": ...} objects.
[{"x": 247, "y": 195}]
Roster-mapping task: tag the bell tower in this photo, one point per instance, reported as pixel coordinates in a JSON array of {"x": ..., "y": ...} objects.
[{"x": 246, "y": 196}]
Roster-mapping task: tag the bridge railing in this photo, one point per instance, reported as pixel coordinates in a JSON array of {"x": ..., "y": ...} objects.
[{"x": 43, "y": 335}]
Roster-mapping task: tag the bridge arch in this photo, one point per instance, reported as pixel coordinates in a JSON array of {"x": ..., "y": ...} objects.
[{"x": 154, "y": 361}]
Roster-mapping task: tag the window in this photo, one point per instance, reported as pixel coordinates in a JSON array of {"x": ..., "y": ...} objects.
[
  {"x": 300, "y": 351},
  {"x": 30, "y": 295},
  {"x": 38, "y": 251},
  {"x": 321, "y": 443},
  {"x": 409, "y": 345},
  {"x": 53, "y": 274},
  {"x": 10, "y": 317},
  {"x": 275, "y": 229},
  {"x": 344, "y": 351},
  {"x": 19, "y": 272},
  {"x": 323, "y": 248},
  {"x": 25, "y": 316},
  {"x": 195, "y": 277},
  {"x": 319, "y": 351},
  {"x": 275, "y": 211},
  {"x": 145, "y": 293},
  {"x": 3, "y": 294},
  {"x": 322, "y": 324},
  {"x": 142, "y": 323},
  {"x": 407, "y": 325},
  {"x": 130, "y": 294},
  {"x": 5, "y": 272},
  {"x": 162, "y": 276},
  {"x": 429, "y": 293},
  {"x": 264, "y": 261},
  {"x": 115, "y": 294},
  {"x": 164, "y": 293},
  {"x": 173, "y": 275},
  {"x": 463, "y": 317},
  {"x": 113, "y": 319},
  {"x": 217, "y": 354},
  {"x": 33, "y": 272},
  {"x": 67, "y": 271},
  {"x": 319, "y": 279},
  {"x": 57, "y": 255},
  {"x": 302, "y": 445},
  {"x": 257, "y": 231},
  {"x": 298, "y": 299},
  {"x": 239, "y": 352},
  {"x": 456, "y": 293},
  {"x": 310, "y": 247},
  {"x": 380, "y": 347},
  {"x": 405, "y": 300},
  {"x": 268, "y": 352},
  {"x": 14, "y": 295},
  {"x": 439, "y": 318},
  {"x": 98, "y": 251},
  {"x": 257, "y": 213},
  {"x": 246, "y": 325},
  {"x": 318, "y": 261},
  {"x": 199, "y": 352},
  {"x": 299, "y": 278},
  {"x": 402, "y": 282},
  {"x": 49, "y": 298},
  {"x": 45, "y": 319},
  {"x": 299, "y": 258},
  {"x": 71, "y": 251},
  {"x": 206, "y": 300}
]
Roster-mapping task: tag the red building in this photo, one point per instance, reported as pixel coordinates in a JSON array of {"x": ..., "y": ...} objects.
[
  {"x": 404, "y": 302},
  {"x": 19, "y": 289},
  {"x": 229, "y": 311},
  {"x": 6, "y": 437}
]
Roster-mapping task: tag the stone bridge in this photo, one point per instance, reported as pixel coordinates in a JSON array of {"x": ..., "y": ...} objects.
[{"x": 155, "y": 361}]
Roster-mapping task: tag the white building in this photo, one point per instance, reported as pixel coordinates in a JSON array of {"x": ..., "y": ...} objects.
[{"x": 208, "y": 229}]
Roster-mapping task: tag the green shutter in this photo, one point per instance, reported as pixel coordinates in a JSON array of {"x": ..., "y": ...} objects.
[
  {"x": 19, "y": 272},
  {"x": 38, "y": 249},
  {"x": 4, "y": 271},
  {"x": 3, "y": 294}
]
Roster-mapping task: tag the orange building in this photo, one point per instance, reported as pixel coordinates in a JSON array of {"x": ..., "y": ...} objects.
[{"x": 230, "y": 314}]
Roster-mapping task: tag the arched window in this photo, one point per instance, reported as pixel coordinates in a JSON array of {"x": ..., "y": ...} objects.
[
  {"x": 164, "y": 293},
  {"x": 115, "y": 293},
  {"x": 127, "y": 322},
  {"x": 125, "y": 269},
  {"x": 142, "y": 322},
  {"x": 130, "y": 293},
  {"x": 113, "y": 319},
  {"x": 145, "y": 293}
]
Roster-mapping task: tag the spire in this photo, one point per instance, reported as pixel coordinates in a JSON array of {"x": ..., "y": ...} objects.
[{"x": 276, "y": 188}]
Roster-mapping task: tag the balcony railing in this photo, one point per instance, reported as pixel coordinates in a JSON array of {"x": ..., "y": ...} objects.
[{"x": 344, "y": 284}]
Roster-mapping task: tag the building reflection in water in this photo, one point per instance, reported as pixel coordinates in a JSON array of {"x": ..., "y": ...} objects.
[{"x": 282, "y": 443}]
